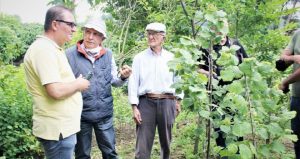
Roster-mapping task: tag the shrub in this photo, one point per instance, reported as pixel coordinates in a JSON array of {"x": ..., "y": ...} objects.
[{"x": 16, "y": 139}]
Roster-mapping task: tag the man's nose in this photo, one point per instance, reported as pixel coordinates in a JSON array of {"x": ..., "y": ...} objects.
[{"x": 74, "y": 29}]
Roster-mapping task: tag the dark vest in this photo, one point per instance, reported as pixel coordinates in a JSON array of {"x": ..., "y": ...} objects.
[{"x": 97, "y": 100}]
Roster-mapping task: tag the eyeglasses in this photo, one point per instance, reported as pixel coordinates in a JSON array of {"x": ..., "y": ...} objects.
[
  {"x": 154, "y": 34},
  {"x": 71, "y": 24}
]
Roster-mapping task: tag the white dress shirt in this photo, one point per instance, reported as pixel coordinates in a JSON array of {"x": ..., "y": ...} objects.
[
  {"x": 116, "y": 81},
  {"x": 150, "y": 74}
]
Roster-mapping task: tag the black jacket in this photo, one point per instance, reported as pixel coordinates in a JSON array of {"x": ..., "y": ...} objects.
[{"x": 240, "y": 53}]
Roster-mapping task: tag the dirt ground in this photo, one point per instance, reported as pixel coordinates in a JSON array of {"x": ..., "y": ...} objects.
[
  {"x": 125, "y": 144},
  {"x": 125, "y": 141}
]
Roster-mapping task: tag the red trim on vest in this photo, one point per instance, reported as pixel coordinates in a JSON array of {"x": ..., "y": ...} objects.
[{"x": 82, "y": 51}]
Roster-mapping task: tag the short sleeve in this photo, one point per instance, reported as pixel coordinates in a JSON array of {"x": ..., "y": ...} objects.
[{"x": 46, "y": 65}]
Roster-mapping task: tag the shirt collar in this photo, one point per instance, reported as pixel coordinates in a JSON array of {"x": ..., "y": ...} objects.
[
  {"x": 155, "y": 54},
  {"x": 51, "y": 41}
]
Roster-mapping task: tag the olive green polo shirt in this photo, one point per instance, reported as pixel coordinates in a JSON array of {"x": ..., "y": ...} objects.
[
  {"x": 45, "y": 62},
  {"x": 294, "y": 46}
]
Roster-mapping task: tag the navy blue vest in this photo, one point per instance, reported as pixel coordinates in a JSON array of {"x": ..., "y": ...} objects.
[{"x": 97, "y": 100}]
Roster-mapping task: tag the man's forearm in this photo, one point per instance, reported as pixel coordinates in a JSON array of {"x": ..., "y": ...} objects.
[{"x": 294, "y": 77}]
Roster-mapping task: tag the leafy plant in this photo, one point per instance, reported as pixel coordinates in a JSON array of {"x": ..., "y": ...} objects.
[
  {"x": 15, "y": 38},
  {"x": 16, "y": 139},
  {"x": 251, "y": 97}
]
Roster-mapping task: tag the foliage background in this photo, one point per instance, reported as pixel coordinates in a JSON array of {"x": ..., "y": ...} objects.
[{"x": 256, "y": 23}]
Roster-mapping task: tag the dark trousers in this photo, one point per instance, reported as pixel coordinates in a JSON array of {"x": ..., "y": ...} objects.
[
  {"x": 105, "y": 136},
  {"x": 158, "y": 113},
  {"x": 295, "y": 124}
]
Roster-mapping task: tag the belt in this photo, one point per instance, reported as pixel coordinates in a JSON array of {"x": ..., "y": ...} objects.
[{"x": 158, "y": 96}]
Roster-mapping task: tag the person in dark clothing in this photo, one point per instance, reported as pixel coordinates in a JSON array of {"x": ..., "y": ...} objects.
[
  {"x": 240, "y": 54},
  {"x": 226, "y": 41}
]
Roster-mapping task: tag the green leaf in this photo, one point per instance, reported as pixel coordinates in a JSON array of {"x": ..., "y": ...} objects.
[
  {"x": 263, "y": 133},
  {"x": 195, "y": 89},
  {"x": 221, "y": 13},
  {"x": 288, "y": 115},
  {"x": 187, "y": 102},
  {"x": 204, "y": 114},
  {"x": 205, "y": 35},
  {"x": 210, "y": 17},
  {"x": 236, "y": 87},
  {"x": 198, "y": 15},
  {"x": 252, "y": 148},
  {"x": 232, "y": 148},
  {"x": 247, "y": 66},
  {"x": 265, "y": 68},
  {"x": 274, "y": 129},
  {"x": 185, "y": 41},
  {"x": 224, "y": 59},
  {"x": 245, "y": 152},
  {"x": 265, "y": 151},
  {"x": 234, "y": 48},
  {"x": 278, "y": 147},
  {"x": 185, "y": 53},
  {"x": 293, "y": 138},
  {"x": 225, "y": 128},
  {"x": 227, "y": 75},
  {"x": 203, "y": 78},
  {"x": 231, "y": 73},
  {"x": 241, "y": 129}
]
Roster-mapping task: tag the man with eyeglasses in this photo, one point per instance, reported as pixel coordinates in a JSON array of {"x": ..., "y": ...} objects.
[
  {"x": 154, "y": 102},
  {"x": 71, "y": 24},
  {"x": 57, "y": 101},
  {"x": 90, "y": 58}
]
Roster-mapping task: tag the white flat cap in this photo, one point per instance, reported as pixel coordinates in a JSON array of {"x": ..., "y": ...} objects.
[
  {"x": 159, "y": 27},
  {"x": 98, "y": 24}
]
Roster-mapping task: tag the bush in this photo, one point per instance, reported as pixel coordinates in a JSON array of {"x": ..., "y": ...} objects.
[{"x": 16, "y": 139}]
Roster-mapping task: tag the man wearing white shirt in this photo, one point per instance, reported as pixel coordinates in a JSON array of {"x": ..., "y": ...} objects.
[
  {"x": 97, "y": 64},
  {"x": 153, "y": 101}
]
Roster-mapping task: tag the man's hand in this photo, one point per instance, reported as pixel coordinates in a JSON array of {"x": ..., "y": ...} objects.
[
  {"x": 200, "y": 70},
  {"x": 286, "y": 55},
  {"x": 82, "y": 83},
  {"x": 296, "y": 58},
  {"x": 125, "y": 72},
  {"x": 284, "y": 87},
  {"x": 178, "y": 107},
  {"x": 136, "y": 115}
]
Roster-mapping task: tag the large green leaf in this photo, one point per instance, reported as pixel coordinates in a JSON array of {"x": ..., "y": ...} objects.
[
  {"x": 278, "y": 147},
  {"x": 236, "y": 87},
  {"x": 274, "y": 128},
  {"x": 231, "y": 73},
  {"x": 225, "y": 128},
  {"x": 245, "y": 152},
  {"x": 263, "y": 133},
  {"x": 241, "y": 129},
  {"x": 204, "y": 114}
]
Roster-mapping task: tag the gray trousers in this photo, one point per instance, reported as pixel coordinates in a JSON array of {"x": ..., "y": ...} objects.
[{"x": 155, "y": 112}]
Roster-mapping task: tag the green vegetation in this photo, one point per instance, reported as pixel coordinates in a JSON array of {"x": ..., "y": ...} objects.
[
  {"x": 261, "y": 110},
  {"x": 16, "y": 139},
  {"x": 15, "y": 38}
]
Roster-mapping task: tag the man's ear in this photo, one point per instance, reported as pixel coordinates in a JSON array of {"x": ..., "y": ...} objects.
[{"x": 54, "y": 25}]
